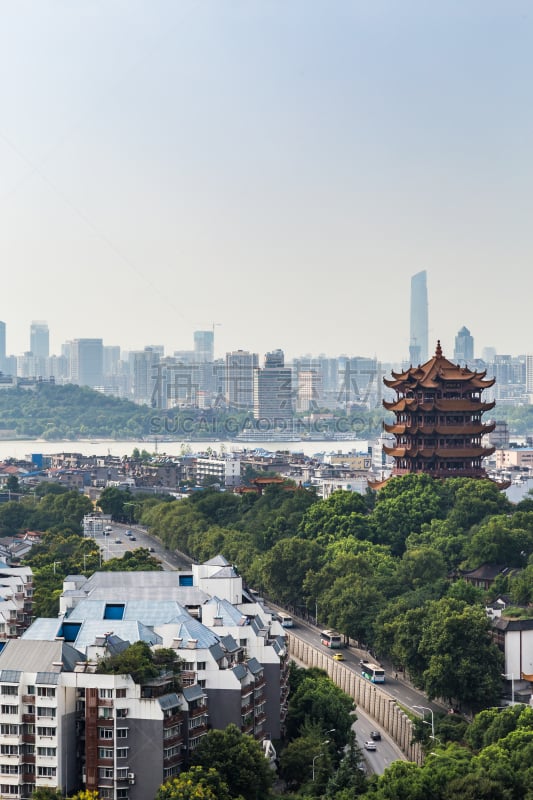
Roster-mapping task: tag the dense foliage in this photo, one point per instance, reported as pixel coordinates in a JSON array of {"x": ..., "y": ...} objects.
[
  {"x": 142, "y": 663},
  {"x": 384, "y": 569}
]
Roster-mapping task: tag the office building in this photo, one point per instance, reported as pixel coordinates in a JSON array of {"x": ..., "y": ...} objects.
[
  {"x": 240, "y": 366},
  {"x": 143, "y": 365},
  {"x": 463, "y": 353},
  {"x": 86, "y": 362},
  {"x": 2, "y": 347},
  {"x": 204, "y": 346},
  {"x": 418, "y": 341},
  {"x": 39, "y": 339},
  {"x": 272, "y": 389}
]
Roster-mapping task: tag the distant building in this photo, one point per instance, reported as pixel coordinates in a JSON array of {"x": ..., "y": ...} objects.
[
  {"x": 2, "y": 346},
  {"x": 418, "y": 341},
  {"x": 438, "y": 426},
  {"x": 39, "y": 339},
  {"x": 272, "y": 389},
  {"x": 204, "y": 346},
  {"x": 240, "y": 366},
  {"x": 86, "y": 362},
  {"x": 463, "y": 353}
]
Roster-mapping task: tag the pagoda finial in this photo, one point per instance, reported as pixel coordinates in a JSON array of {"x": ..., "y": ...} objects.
[{"x": 438, "y": 351}]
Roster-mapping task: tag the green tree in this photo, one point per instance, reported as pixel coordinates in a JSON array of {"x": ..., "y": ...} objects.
[
  {"x": 197, "y": 783},
  {"x": 239, "y": 761}
]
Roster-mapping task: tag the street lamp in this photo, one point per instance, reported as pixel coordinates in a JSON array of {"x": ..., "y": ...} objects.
[
  {"x": 508, "y": 675},
  {"x": 425, "y": 708},
  {"x": 318, "y": 756}
]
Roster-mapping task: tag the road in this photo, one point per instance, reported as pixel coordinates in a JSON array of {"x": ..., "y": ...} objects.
[
  {"x": 117, "y": 543},
  {"x": 386, "y": 750}
]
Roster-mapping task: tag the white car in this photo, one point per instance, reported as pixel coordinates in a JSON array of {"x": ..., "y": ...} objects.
[{"x": 370, "y": 745}]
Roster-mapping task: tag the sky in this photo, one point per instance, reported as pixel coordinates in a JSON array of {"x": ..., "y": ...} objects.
[{"x": 277, "y": 169}]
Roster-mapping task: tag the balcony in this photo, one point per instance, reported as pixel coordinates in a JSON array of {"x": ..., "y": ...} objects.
[
  {"x": 105, "y": 702},
  {"x": 28, "y": 738},
  {"x": 28, "y": 717},
  {"x": 28, "y": 698}
]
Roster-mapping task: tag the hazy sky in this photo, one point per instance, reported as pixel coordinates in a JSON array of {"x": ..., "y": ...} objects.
[{"x": 280, "y": 167}]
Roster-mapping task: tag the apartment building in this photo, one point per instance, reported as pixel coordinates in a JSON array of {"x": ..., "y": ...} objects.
[
  {"x": 66, "y": 725},
  {"x": 16, "y": 600}
]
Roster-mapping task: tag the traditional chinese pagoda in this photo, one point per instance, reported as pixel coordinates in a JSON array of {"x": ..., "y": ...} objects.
[{"x": 438, "y": 424}]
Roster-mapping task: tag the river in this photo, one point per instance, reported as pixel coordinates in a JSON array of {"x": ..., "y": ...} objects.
[{"x": 22, "y": 449}]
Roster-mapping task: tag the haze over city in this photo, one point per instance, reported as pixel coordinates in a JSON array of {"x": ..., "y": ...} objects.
[{"x": 280, "y": 169}]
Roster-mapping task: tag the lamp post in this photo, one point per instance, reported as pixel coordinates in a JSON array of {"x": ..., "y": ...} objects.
[
  {"x": 425, "y": 708},
  {"x": 508, "y": 675},
  {"x": 318, "y": 756}
]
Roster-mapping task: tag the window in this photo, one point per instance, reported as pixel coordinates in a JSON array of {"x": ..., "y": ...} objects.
[
  {"x": 9, "y": 730},
  {"x": 122, "y": 773},
  {"x": 105, "y": 772},
  {"x": 9, "y": 769},
  {"x": 200, "y": 665},
  {"x": 45, "y": 711},
  {"x": 105, "y": 793},
  {"x": 9, "y": 709},
  {"x": 6, "y": 788},
  {"x": 50, "y": 752},
  {"x": 11, "y": 690},
  {"x": 168, "y": 752},
  {"x": 9, "y": 749},
  {"x": 122, "y": 794},
  {"x": 45, "y": 731},
  {"x": 46, "y": 772},
  {"x": 169, "y": 733},
  {"x": 121, "y": 713},
  {"x": 122, "y": 752},
  {"x": 105, "y": 694},
  {"x": 31, "y": 690},
  {"x": 189, "y": 666},
  {"x": 122, "y": 733},
  {"x": 46, "y": 691},
  {"x": 121, "y": 692},
  {"x": 170, "y": 772},
  {"x": 105, "y": 733},
  {"x": 105, "y": 752},
  {"x": 105, "y": 713}
]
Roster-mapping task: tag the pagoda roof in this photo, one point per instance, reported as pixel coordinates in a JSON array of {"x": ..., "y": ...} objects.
[
  {"x": 441, "y": 404},
  {"x": 440, "y": 452},
  {"x": 436, "y": 371},
  {"x": 400, "y": 428}
]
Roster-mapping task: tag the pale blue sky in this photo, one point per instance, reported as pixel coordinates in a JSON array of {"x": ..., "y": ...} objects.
[{"x": 282, "y": 168}]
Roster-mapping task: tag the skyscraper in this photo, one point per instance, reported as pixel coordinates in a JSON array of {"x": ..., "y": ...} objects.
[
  {"x": 203, "y": 346},
  {"x": 39, "y": 339},
  {"x": 86, "y": 362},
  {"x": 273, "y": 391},
  {"x": 240, "y": 365},
  {"x": 463, "y": 352},
  {"x": 418, "y": 343}
]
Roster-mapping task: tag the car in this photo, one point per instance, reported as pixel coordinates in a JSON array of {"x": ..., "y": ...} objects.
[
  {"x": 338, "y": 657},
  {"x": 133, "y": 539},
  {"x": 117, "y": 540},
  {"x": 370, "y": 745},
  {"x": 129, "y": 533},
  {"x": 151, "y": 549},
  {"x": 375, "y": 736}
]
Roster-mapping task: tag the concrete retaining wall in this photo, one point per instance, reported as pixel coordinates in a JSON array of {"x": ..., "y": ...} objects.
[{"x": 372, "y": 699}]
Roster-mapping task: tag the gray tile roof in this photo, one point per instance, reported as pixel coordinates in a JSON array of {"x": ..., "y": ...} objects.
[{"x": 32, "y": 655}]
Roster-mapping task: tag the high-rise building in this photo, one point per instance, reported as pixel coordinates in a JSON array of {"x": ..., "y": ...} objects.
[
  {"x": 39, "y": 339},
  {"x": 273, "y": 391},
  {"x": 204, "y": 342},
  {"x": 418, "y": 342},
  {"x": 240, "y": 365},
  {"x": 463, "y": 352},
  {"x": 86, "y": 362},
  {"x": 143, "y": 374}
]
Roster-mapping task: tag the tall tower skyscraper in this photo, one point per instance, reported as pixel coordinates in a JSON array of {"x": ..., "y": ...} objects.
[
  {"x": 39, "y": 339},
  {"x": 463, "y": 352},
  {"x": 273, "y": 390},
  {"x": 86, "y": 362},
  {"x": 418, "y": 342},
  {"x": 240, "y": 365},
  {"x": 203, "y": 346}
]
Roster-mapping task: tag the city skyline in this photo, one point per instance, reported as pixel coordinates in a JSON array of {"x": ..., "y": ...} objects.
[{"x": 229, "y": 164}]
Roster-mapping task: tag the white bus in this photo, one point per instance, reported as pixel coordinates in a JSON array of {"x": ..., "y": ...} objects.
[
  {"x": 331, "y": 639},
  {"x": 286, "y": 621},
  {"x": 372, "y": 672}
]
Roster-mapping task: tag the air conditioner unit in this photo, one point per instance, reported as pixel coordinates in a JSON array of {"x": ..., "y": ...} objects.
[{"x": 131, "y": 776}]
